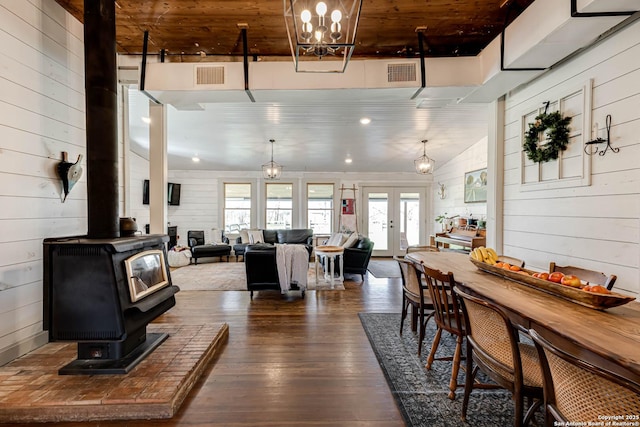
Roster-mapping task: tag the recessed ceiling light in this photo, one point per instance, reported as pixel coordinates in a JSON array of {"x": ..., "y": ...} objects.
[
  {"x": 365, "y": 120},
  {"x": 348, "y": 160},
  {"x": 195, "y": 159},
  {"x": 147, "y": 120}
]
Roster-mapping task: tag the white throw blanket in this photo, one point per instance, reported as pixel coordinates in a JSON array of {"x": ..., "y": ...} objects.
[{"x": 292, "y": 262}]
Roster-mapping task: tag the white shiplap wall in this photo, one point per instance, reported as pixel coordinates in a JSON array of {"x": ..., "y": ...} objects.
[
  {"x": 41, "y": 115},
  {"x": 596, "y": 226},
  {"x": 201, "y": 202},
  {"x": 451, "y": 174}
]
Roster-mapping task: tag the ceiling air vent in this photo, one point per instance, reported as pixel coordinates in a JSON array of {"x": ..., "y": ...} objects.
[
  {"x": 401, "y": 73},
  {"x": 210, "y": 75}
]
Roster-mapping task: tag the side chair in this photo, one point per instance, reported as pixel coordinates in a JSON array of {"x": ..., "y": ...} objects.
[
  {"x": 565, "y": 380},
  {"x": 493, "y": 344},
  {"x": 448, "y": 316},
  {"x": 416, "y": 295},
  {"x": 591, "y": 276}
]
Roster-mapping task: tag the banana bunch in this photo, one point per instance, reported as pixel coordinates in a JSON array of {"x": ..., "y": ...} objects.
[{"x": 486, "y": 255}]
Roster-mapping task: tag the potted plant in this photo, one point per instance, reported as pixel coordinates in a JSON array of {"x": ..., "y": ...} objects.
[{"x": 443, "y": 221}]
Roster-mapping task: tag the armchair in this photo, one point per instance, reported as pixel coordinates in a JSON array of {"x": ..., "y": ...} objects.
[
  {"x": 356, "y": 258},
  {"x": 201, "y": 250}
]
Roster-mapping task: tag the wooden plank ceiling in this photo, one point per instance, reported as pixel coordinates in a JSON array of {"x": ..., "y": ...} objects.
[{"x": 201, "y": 30}]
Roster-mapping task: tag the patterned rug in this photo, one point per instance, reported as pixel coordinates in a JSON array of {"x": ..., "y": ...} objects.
[
  {"x": 230, "y": 276},
  {"x": 420, "y": 394}
]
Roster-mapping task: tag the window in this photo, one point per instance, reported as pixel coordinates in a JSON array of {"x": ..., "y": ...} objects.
[
  {"x": 237, "y": 207},
  {"x": 279, "y": 206},
  {"x": 320, "y": 208}
]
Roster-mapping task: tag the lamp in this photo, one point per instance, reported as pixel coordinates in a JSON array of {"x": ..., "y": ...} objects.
[
  {"x": 424, "y": 164},
  {"x": 320, "y": 35},
  {"x": 271, "y": 170}
]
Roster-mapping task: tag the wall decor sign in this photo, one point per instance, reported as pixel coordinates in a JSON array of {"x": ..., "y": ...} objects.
[
  {"x": 475, "y": 186},
  {"x": 348, "y": 206}
]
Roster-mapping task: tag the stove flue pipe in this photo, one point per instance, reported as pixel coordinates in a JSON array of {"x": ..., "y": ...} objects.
[{"x": 101, "y": 118}]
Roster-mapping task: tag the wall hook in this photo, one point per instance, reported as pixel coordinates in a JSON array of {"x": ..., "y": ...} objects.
[
  {"x": 69, "y": 173},
  {"x": 599, "y": 140}
]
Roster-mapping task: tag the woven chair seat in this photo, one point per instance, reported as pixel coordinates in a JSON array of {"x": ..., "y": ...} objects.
[
  {"x": 578, "y": 392},
  {"x": 531, "y": 371}
]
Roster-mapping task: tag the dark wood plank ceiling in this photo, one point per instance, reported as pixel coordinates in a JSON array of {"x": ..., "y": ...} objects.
[{"x": 199, "y": 30}]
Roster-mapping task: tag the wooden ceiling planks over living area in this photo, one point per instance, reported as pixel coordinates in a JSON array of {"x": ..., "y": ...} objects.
[{"x": 207, "y": 30}]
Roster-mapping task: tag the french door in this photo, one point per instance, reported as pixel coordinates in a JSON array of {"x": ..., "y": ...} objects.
[{"x": 394, "y": 217}]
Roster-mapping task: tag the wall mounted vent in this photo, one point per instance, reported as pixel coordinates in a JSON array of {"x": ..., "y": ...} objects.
[
  {"x": 401, "y": 73},
  {"x": 213, "y": 75}
]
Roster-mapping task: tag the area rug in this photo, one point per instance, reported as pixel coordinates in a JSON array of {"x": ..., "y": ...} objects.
[
  {"x": 384, "y": 269},
  {"x": 230, "y": 276},
  {"x": 420, "y": 394}
]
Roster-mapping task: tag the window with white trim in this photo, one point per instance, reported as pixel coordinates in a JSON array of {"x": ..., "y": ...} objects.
[
  {"x": 320, "y": 208},
  {"x": 279, "y": 206},
  {"x": 237, "y": 207}
]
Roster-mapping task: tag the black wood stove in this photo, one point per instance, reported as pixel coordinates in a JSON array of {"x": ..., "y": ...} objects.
[{"x": 103, "y": 293}]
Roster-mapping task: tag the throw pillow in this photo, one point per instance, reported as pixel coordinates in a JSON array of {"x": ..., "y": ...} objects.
[
  {"x": 216, "y": 236},
  {"x": 255, "y": 236},
  {"x": 244, "y": 236},
  {"x": 351, "y": 240},
  {"x": 336, "y": 239}
]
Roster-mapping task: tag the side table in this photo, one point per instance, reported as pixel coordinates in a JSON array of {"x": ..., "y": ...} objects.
[{"x": 330, "y": 252}]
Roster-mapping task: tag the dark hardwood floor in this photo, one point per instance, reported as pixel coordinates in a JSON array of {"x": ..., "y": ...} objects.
[{"x": 289, "y": 361}]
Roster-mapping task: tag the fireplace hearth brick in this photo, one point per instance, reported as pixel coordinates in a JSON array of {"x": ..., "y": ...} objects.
[{"x": 32, "y": 391}]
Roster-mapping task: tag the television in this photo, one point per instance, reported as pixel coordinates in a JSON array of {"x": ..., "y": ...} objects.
[
  {"x": 173, "y": 193},
  {"x": 145, "y": 192}
]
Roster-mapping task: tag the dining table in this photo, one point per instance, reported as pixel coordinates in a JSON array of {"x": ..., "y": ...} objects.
[{"x": 609, "y": 339}]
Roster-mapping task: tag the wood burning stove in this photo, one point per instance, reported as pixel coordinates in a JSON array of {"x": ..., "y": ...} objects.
[{"x": 103, "y": 293}]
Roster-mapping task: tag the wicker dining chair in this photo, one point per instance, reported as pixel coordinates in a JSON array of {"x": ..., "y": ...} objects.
[
  {"x": 591, "y": 276},
  {"x": 493, "y": 344},
  {"x": 579, "y": 392},
  {"x": 448, "y": 316},
  {"x": 416, "y": 295}
]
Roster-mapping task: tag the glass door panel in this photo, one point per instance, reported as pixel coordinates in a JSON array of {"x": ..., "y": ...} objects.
[{"x": 377, "y": 220}]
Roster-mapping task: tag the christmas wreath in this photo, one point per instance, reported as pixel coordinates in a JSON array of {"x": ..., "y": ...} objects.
[{"x": 557, "y": 135}]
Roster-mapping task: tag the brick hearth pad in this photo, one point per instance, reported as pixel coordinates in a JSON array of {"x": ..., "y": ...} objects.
[{"x": 32, "y": 391}]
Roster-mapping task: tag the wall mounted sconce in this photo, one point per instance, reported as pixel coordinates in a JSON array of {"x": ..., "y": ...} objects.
[
  {"x": 442, "y": 191},
  {"x": 599, "y": 140},
  {"x": 69, "y": 173}
]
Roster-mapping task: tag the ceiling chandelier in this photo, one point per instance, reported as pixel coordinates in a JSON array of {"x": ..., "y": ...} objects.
[
  {"x": 271, "y": 170},
  {"x": 314, "y": 34},
  {"x": 424, "y": 164}
]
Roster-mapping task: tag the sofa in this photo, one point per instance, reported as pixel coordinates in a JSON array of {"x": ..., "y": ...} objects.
[
  {"x": 303, "y": 236},
  {"x": 261, "y": 268},
  {"x": 201, "y": 250}
]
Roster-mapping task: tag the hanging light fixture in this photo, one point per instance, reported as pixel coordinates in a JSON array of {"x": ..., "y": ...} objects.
[
  {"x": 320, "y": 35},
  {"x": 424, "y": 164},
  {"x": 271, "y": 170}
]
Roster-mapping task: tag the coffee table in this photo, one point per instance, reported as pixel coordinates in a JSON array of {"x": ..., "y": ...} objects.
[{"x": 330, "y": 252}]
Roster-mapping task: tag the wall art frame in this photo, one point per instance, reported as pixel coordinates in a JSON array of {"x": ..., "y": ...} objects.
[{"x": 475, "y": 186}]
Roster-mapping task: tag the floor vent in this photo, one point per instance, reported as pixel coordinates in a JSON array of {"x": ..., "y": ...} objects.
[
  {"x": 401, "y": 73},
  {"x": 210, "y": 75}
]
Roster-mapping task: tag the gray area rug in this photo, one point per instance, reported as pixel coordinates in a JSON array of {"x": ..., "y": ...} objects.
[
  {"x": 230, "y": 276},
  {"x": 420, "y": 394},
  {"x": 384, "y": 269}
]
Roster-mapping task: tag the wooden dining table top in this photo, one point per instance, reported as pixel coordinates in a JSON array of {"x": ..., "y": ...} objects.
[{"x": 608, "y": 338}]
